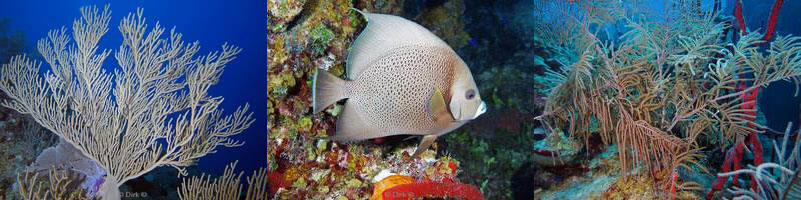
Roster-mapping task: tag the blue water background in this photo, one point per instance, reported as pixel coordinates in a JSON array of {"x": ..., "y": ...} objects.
[{"x": 213, "y": 23}]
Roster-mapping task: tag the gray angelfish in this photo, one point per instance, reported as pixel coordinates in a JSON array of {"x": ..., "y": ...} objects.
[{"x": 401, "y": 79}]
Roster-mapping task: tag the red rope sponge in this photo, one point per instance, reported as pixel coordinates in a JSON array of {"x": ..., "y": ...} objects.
[{"x": 424, "y": 189}]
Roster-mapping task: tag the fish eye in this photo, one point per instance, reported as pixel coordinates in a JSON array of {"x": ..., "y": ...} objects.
[{"x": 470, "y": 94}]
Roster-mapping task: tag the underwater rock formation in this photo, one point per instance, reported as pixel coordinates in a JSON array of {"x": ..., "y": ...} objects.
[
  {"x": 316, "y": 38},
  {"x": 19, "y": 148}
]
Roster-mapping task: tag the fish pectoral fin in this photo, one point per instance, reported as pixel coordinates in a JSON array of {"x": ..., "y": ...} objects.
[
  {"x": 424, "y": 144},
  {"x": 437, "y": 109},
  {"x": 351, "y": 126}
]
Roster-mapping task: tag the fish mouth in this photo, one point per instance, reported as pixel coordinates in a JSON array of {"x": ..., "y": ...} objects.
[{"x": 482, "y": 108}]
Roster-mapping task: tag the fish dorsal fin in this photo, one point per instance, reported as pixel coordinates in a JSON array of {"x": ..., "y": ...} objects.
[
  {"x": 383, "y": 34},
  {"x": 437, "y": 108}
]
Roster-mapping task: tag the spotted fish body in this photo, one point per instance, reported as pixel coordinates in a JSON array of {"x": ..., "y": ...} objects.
[
  {"x": 403, "y": 80},
  {"x": 393, "y": 95}
]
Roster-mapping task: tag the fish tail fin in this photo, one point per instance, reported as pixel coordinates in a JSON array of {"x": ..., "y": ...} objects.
[{"x": 327, "y": 89}]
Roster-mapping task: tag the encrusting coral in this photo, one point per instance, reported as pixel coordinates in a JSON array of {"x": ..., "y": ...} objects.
[
  {"x": 21, "y": 149},
  {"x": 152, "y": 111}
]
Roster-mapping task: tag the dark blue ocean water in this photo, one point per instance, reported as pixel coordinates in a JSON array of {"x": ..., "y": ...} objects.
[{"x": 240, "y": 23}]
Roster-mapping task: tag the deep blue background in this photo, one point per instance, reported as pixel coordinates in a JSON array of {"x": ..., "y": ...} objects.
[{"x": 213, "y": 23}]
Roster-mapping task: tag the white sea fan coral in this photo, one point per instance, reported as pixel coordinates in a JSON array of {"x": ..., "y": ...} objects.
[{"x": 153, "y": 110}]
